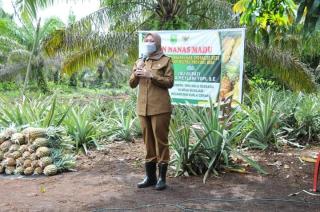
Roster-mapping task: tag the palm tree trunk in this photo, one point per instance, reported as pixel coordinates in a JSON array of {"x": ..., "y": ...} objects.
[{"x": 33, "y": 52}]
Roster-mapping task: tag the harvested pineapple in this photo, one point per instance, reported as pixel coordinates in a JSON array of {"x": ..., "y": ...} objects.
[
  {"x": 5, "y": 146},
  {"x": 38, "y": 171},
  {"x": 35, "y": 164},
  {"x": 50, "y": 170},
  {"x": 32, "y": 148},
  {"x": 14, "y": 147},
  {"x": 32, "y": 133},
  {"x": 45, "y": 161},
  {"x": 41, "y": 142},
  {"x": 10, "y": 162},
  {"x": 9, "y": 132},
  {"x": 19, "y": 161},
  {"x": 16, "y": 154},
  {"x": 26, "y": 155},
  {"x": 30, "y": 152},
  {"x": 33, "y": 156},
  {"x": 42, "y": 152},
  {"x": 28, "y": 171},
  {"x": 23, "y": 148},
  {"x": 2, "y": 138},
  {"x": 10, "y": 170},
  {"x": 19, "y": 170},
  {"x": 18, "y": 138},
  {"x": 27, "y": 163}
]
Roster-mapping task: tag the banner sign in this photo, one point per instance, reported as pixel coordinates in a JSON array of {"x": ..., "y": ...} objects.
[{"x": 207, "y": 64}]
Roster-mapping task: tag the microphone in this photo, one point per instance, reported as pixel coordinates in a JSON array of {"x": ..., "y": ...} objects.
[
  {"x": 141, "y": 62},
  {"x": 144, "y": 57}
]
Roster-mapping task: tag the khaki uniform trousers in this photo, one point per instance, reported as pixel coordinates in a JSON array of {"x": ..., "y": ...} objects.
[{"x": 155, "y": 130}]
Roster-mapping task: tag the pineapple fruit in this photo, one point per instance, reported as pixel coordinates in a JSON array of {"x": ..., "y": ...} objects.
[
  {"x": 18, "y": 138},
  {"x": 50, "y": 170},
  {"x": 45, "y": 161},
  {"x": 10, "y": 170},
  {"x": 33, "y": 133},
  {"x": 42, "y": 152},
  {"x": 38, "y": 171},
  {"x": 28, "y": 171},
  {"x": 28, "y": 152},
  {"x": 41, "y": 142}
]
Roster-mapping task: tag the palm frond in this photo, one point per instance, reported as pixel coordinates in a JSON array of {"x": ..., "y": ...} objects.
[
  {"x": 9, "y": 71},
  {"x": 18, "y": 56},
  {"x": 283, "y": 66},
  {"x": 49, "y": 26},
  {"x": 7, "y": 44},
  {"x": 111, "y": 45},
  {"x": 28, "y": 8}
]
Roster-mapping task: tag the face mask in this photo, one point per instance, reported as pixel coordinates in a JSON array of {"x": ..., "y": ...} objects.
[{"x": 149, "y": 48}]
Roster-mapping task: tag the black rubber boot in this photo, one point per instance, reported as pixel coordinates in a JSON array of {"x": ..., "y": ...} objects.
[
  {"x": 161, "y": 184},
  {"x": 151, "y": 177}
]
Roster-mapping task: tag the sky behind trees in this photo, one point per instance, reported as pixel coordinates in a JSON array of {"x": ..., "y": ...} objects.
[{"x": 61, "y": 9}]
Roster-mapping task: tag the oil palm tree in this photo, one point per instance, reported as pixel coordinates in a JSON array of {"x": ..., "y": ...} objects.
[
  {"x": 22, "y": 46},
  {"x": 274, "y": 43},
  {"x": 111, "y": 31},
  {"x": 28, "y": 40}
]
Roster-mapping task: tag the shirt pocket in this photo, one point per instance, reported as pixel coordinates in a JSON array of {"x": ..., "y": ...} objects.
[{"x": 158, "y": 68}]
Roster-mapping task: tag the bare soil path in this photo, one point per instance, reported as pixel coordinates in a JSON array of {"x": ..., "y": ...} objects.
[{"x": 107, "y": 180}]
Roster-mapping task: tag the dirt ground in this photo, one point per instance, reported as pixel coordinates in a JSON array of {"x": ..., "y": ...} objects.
[{"x": 106, "y": 181}]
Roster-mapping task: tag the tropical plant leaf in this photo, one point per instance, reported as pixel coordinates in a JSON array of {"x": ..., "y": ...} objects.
[{"x": 283, "y": 66}]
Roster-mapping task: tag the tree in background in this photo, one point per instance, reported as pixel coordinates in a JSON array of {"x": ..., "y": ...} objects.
[
  {"x": 276, "y": 45},
  {"x": 22, "y": 46},
  {"x": 309, "y": 13},
  {"x": 109, "y": 32}
]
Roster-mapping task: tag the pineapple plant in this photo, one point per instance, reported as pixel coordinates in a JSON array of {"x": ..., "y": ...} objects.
[
  {"x": 50, "y": 170},
  {"x": 42, "y": 152}
]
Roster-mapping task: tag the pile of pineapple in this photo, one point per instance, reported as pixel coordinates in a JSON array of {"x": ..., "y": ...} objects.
[{"x": 28, "y": 152}]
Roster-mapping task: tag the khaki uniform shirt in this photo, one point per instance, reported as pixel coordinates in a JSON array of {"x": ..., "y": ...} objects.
[{"x": 153, "y": 95}]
